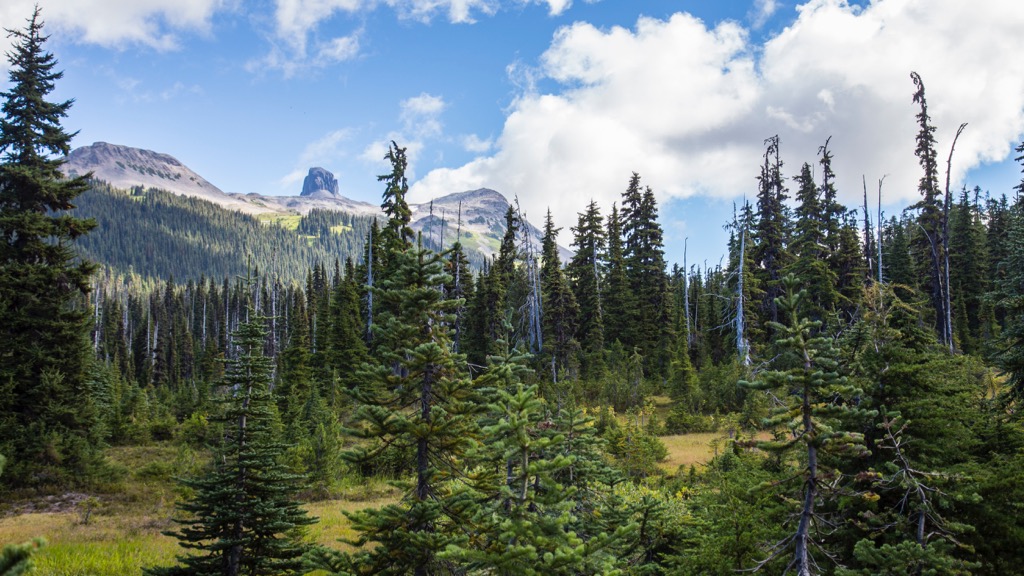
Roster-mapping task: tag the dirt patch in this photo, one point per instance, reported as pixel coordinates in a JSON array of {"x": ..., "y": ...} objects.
[{"x": 54, "y": 504}]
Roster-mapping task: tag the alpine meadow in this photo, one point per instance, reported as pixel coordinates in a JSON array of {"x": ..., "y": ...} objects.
[{"x": 445, "y": 380}]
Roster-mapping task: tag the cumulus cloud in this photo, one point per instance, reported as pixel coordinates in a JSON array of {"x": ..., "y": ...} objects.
[
  {"x": 117, "y": 23},
  {"x": 296, "y": 23},
  {"x": 420, "y": 117},
  {"x": 296, "y": 18},
  {"x": 688, "y": 105}
]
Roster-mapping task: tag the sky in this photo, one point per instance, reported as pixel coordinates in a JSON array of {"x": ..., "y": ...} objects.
[{"x": 555, "y": 102}]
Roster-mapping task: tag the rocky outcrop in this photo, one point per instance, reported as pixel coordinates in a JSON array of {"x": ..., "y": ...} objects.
[{"x": 319, "y": 180}]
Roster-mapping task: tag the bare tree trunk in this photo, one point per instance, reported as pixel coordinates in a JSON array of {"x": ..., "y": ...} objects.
[
  {"x": 945, "y": 241},
  {"x": 741, "y": 344},
  {"x": 867, "y": 228},
  {"x": 880, "y": 180}
]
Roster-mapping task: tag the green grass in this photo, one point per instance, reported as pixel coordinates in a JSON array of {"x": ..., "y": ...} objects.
[
  {"x": 286, "y": 221},
  {"x": 123, "y": 534}
]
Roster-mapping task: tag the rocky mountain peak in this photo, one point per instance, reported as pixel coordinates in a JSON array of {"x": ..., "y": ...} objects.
[{"x": 319, "y": 180}]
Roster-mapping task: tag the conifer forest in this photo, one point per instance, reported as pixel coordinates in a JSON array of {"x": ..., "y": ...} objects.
[{"x": 861, "y": 375}]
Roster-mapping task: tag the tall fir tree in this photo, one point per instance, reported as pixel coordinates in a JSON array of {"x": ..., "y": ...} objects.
[
  {"x": 347, "y": 351},
  {"x": 585, "y": 271},
  {"x": 560, "y": 311},
  {"x": 645, "y": 267},
  {"x": 49, "y": 430},
  {"x": 968, "y": 276},
  {"x": 397, "y": 234},
  {"x": 927, "y": 240},
  {"x": 771, "y": 236},
  {"x": 460, "y": 288},
  {"x": 816, "y": 398},
  {"x": 243, "y": 516},
  {"x": 810, "y": 250},
  {"x": 418, "y": 401},
  {"x": 618, "y": 305},
  {"x": 1009, "y": 294}
]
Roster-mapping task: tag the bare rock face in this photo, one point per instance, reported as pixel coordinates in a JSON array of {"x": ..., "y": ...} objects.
[{"x": 319, "y": 181}]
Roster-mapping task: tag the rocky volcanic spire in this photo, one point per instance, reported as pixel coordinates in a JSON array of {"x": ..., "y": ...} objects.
[{"x": 319, "y": 180}]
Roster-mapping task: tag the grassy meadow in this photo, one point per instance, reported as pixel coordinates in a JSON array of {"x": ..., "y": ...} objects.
[{"x": 118, "y": 532}]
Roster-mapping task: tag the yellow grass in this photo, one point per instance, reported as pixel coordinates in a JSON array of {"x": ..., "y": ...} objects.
[
  {"x": 691, "y": 449},
  {"x": 124, "y": 532},
  {"x": 696, "y": 449},
  {"x": 124, "y": 544}
]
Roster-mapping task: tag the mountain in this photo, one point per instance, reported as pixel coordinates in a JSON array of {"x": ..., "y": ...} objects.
[
  {"x": 483, "y": 211},
  {"x": 125, "y": 167},
  {"x": 320, "y": 181}
]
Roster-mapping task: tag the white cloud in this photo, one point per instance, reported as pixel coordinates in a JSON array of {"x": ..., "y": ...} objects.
[
  {"x": 339, "y": 49},
  {"x": 290, "y": 61},
  {"x": 762, "y": 11},
  {"x": 458, "y": 11},
  {"x": 117, "y": 23},
  {"x": 374, "y": 153},
  {"x": 420, "y": 115},
  {"x": 477, "y": 145},
  {"x": 296, "y": 18},
  {"x": 421, "y": 122},
  {"x": 297, "y": 21},
  {"x": 556, "y": 7},
  {"x": 688, "y": 105},
  {"x": 324, "y": 152}
]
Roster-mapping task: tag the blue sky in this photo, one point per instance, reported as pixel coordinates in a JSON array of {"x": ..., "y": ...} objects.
[{"x": 556, "y": 101}]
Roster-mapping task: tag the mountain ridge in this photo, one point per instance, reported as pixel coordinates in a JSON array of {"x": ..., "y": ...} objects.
[{"x": 481, "y": 226}]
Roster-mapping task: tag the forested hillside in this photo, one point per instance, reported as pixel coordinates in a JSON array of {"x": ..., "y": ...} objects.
[
  {"x": 865, "y": 376},
  {"x": 160, "y": 235}
]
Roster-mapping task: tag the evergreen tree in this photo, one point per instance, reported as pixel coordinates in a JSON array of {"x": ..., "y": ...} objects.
[
  {"x": 928, "y": 248},
  {"x": 49, "y": 429},
  {"x": 586, "y": 270},
  {"x": 16, "y": 559},
  {"x": 1010, "y": 298},
  {"x": 483, "y": 317},
  {"x": 296, "y": 378},
  {"x": 810, "y": 250},
  {"x": 968, "y": 274},
  {"x": 459, "y": 288},
  {"x": 521, "y": 511},
  {"x": 560, "y": 310},
  {"x": 418, "y": 400},
  {"x": 848, "y": 264},
  {"x": 522, "y": 523},
  {"x": 618, "y": 305},
  {"x": 770, "y": 235},
  {"x": 744, "y": 287},
  {"x": 397, "y": 234},
  {"x": 645, "y": 267},
  {"x": 816, "y": 397},
  {"x": 243, "y": 515},
  {"x": 347, "y": 351}
]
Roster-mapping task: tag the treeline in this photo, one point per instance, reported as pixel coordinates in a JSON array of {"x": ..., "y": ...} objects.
[
  {"x": 868, "y": 375},
  {"x": 885, "y": 399},
  {"x": 154, "y": 234}
]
